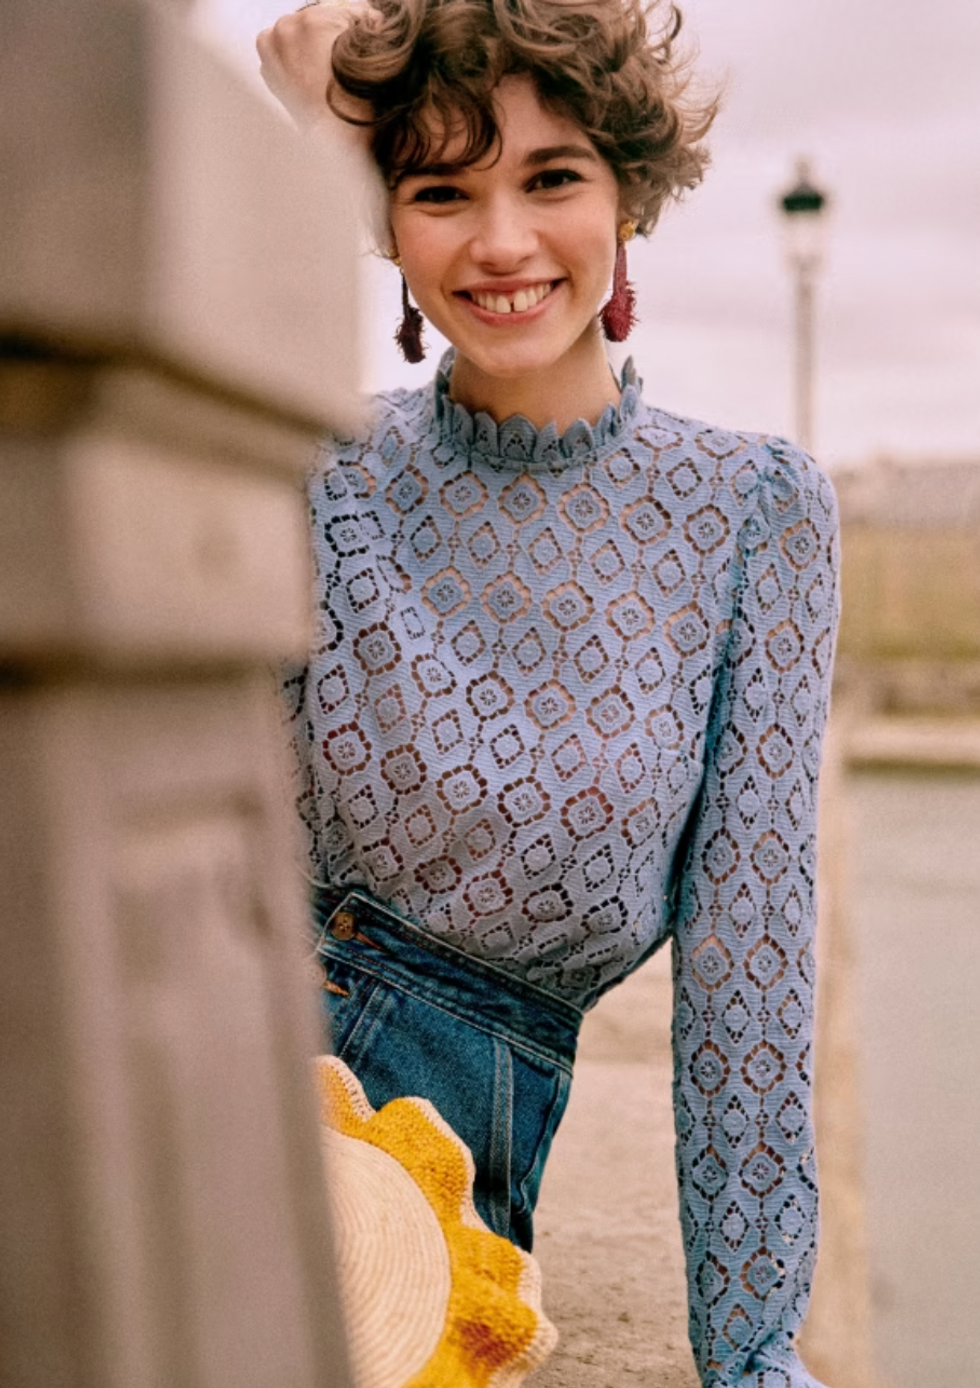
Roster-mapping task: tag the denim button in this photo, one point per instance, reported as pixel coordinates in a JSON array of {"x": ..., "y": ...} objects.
[{"x": 343, "y": 926}]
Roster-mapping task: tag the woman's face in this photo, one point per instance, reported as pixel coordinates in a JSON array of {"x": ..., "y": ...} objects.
[{"x": 510, "y": 260}]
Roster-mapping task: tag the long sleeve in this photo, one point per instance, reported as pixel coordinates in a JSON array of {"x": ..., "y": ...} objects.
[{"x": 743, "y": 946}]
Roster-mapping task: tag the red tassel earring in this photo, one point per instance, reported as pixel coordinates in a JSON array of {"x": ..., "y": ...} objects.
[
  {"x": 409, "y": 334},
  {"x": 618, "y": 315}
]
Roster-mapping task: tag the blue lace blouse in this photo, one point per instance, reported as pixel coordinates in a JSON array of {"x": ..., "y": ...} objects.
[{"x": 565, "y": 702}]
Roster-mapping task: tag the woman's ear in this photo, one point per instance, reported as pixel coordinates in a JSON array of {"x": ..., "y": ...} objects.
[{"x": 628, "y": 214}]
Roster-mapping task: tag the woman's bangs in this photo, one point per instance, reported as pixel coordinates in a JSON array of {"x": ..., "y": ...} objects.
[{"x": 452, "y": 127}]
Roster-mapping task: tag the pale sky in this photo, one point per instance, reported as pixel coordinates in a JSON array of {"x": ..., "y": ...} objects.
[{"x": 881, "y": 96}]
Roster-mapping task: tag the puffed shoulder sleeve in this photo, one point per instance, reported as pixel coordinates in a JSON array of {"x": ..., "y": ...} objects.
[{"x": 743, "y": 941}]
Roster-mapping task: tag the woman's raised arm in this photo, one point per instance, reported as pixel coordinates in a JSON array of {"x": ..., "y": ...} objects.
[{"x": 295, "y": 66}]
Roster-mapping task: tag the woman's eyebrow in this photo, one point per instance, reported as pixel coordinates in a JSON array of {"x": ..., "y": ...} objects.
[
  {"x": 545, "y": 156},
  {"x": 444, "y": 170},
  {"x": 534, "y": 158}
]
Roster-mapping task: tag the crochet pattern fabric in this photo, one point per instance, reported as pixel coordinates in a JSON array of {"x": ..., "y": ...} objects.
[{"x": 566, "y": 701}]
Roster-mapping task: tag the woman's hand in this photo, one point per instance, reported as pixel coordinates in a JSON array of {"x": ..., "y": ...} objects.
[{"x": 295, "y": 66}]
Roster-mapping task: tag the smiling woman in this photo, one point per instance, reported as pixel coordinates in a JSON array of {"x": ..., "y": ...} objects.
[
  {"x": 600, "y": 133},
  {"x": 573, "y": 653},
  {"x": 510, "y": 257}
]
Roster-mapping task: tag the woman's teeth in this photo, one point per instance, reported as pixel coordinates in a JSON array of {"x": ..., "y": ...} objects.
[{"x": 513, "y": 303}]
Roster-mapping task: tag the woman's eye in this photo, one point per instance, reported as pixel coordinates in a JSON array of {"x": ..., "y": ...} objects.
[
  {"x": 438, "y": 193},
  {"x": 556, "y": 178}
]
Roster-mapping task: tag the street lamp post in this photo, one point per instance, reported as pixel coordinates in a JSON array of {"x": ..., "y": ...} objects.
[{"x": 803, "y": 210}]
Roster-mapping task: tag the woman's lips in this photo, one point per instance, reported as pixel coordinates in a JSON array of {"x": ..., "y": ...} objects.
[{"x": 516, "y": 304}]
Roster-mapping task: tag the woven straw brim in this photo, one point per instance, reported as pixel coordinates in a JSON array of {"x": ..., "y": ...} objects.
[
  {"x": 395, "y": 1273},
  {"x": 433, "y": 1298}
]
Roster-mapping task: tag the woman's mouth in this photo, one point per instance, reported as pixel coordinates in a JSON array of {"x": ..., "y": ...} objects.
[{"x": 520, "y": 301}]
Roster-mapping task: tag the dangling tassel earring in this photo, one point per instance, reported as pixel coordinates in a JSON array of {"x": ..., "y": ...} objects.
[
  {"x": 409, "y": 334},
  {"x": 618, "y": 315}
]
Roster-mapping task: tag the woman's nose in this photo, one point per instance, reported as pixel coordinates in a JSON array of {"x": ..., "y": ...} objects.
[{"x": 503, "y": 237}]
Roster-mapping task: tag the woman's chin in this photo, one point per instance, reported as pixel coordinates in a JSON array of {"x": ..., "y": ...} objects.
[{"x": 518, "y": 358}]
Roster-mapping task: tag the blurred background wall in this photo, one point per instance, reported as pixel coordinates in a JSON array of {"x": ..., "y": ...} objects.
[{"x": 901, "y": 825}]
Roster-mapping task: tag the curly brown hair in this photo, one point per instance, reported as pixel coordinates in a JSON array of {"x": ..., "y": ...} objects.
[{"x": 600, "y": 62}]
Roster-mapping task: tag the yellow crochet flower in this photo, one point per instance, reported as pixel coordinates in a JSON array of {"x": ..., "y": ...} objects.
[{"x": 431, "y": 1296}]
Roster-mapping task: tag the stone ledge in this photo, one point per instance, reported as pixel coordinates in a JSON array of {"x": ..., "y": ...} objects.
[
  {"x": 121, "y": 550},
  {"x": 608, "y": 1235},
  {"x": 925, "y": 744},
  {"x": 154, "y": 207},
  {"x": 607, "y": 1231}
]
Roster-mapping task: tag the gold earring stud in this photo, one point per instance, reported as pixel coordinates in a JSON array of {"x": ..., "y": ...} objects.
[{"x": 626, "y": 232}]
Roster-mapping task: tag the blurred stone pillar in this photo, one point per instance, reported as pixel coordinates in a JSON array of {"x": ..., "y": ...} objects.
[{"x": 176, "y": 323}]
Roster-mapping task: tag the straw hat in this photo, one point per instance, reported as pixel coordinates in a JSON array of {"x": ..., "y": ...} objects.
[{"x": 431, "y": 1296}]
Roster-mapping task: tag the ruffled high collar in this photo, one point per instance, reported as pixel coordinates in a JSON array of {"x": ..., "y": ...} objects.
[{"x": 517, "y": 445}]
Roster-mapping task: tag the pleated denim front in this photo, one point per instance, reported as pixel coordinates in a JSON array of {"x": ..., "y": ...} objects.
[{"x": 412, "y": 1015}]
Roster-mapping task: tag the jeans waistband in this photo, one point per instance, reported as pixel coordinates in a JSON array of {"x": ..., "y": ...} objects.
[{"x": 398, "y": 949}]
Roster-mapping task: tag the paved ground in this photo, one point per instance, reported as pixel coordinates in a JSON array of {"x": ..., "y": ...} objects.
[{"x": 607, "y": 1234}]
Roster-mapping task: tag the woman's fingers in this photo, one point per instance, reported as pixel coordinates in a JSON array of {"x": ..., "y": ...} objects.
[{"x": 295, "y": 60}]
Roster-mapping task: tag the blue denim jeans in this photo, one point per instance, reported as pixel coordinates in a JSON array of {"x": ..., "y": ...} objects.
[{"x": 413, "y": 1015}]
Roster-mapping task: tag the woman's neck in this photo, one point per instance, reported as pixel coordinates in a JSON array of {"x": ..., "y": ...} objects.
[{"x": 578, "y": 386}]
